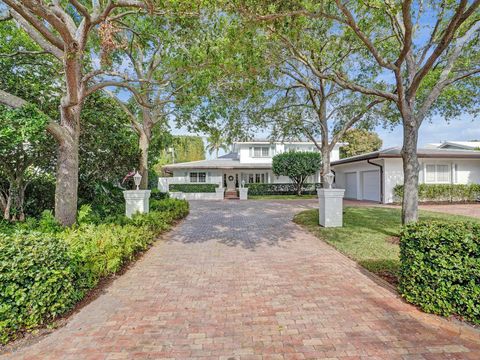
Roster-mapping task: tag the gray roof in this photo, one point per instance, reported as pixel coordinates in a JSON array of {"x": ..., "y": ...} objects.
[
  {"x": 231, "y": 155},
  {"x": 395, "y": 152},
  {"x": 220, "y": 163}
]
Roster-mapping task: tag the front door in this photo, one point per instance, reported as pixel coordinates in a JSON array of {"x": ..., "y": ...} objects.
[{"x": 231, "y": 181}]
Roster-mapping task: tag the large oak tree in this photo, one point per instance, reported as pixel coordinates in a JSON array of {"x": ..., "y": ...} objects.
[{"x": 423, "y": 56}]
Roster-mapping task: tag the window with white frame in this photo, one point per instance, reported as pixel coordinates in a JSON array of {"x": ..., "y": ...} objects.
[
  {"x": 198, "y": 177},
  {"x": 261, "y": 151},
  {"x": 437, "y": 173}
]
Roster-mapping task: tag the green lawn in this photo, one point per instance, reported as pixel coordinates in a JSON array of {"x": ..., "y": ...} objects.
[
  {"x": 281, "y": 197},
  {"x": 369, "y": 235}
]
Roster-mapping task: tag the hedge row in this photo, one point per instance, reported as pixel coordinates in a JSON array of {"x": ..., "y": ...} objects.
[
  {"x": 281, "y": 189},
  {"x": 440, "y": 268},
  {"x": 443, "y": 192},
  {"x": 193, "y": 188},
  {"x": 44, "y": 273}
]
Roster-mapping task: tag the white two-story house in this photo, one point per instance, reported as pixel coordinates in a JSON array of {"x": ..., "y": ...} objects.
[{"x": 249, "y": 161}]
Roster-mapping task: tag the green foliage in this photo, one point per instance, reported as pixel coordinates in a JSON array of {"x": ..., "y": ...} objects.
[
  {"x": 177, "y": 208},
  {"x": 281, "y": 189},
  {"x": 359, "y": 141},
  {"x": 440, "y": 267},
  {"x": 297, "y": 166},
  {"x": 158, "y": 195},
  {"x": 443, "y": 192},
  {"x": 37, "y": 281},
  {"x": 46, "y": 269},
  {"x": 186, "y": 148},
  {"x": 193, "y": 188},
  {"x": 39, "y": 195},
  {"x": 216, "y": 142}
]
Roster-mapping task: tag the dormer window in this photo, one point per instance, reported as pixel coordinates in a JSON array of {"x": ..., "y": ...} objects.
[{"x": 261, "y": 151}]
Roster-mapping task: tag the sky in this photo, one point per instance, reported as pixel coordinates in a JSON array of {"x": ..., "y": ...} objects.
[{"x": 463, "y": 129}]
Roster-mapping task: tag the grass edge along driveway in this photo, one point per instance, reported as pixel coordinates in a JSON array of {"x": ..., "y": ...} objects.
[{"x": 369, "y": 235}]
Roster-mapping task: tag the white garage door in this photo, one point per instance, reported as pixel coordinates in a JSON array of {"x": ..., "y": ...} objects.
[
  {"x": 371, "y": 185},
  {"x": 351, "y": 185}
]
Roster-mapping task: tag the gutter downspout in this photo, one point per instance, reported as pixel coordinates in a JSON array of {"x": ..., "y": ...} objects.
[{"x": 381, "y": 179}]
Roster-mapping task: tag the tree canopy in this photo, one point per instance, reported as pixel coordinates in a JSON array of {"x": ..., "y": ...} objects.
[
  {"x": 359, "y": 141},
  {"x": 298, "y": 166}
]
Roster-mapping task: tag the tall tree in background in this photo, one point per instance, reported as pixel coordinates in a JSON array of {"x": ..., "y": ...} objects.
[
  {"x": 178, "y": 149},
  {"x": 165, "y": 56},
  {"x": 216, "y": 142},
  {"x": 359, "y": 141},
  {"x": 64, "y": 30},
  {"x": 424, "y": 57}
]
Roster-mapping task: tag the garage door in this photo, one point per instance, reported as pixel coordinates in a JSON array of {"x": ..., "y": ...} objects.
[
  {"x": 351, "y": 185},
  {"x": 371, "y": 185}
]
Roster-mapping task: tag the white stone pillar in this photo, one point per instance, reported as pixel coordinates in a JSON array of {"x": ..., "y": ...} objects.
[
  {"x": 243, "y": 193},
  {"x": 330, "y": 212},
  {"x": 220, "y": 192},
  {"x": 136, "y": 201}
]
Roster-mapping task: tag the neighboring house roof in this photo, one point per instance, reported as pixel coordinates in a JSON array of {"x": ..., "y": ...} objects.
[
  {"x": 467, "y": 145},
  {"x": 432, "y": 146},
  {"x": 394, "y": 152}
]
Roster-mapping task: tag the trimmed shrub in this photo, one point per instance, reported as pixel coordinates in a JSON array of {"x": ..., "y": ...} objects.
[
  {"x": 193, "y": 188},
  {"x": 178, "y": 208},
  {"x": 158, "y": 195},
  {"x": 281, "y": 189},
  {"x": 443, "y": 192},
  {"x": 440, "y": 267},
  {"x": 43, "y": 275},
  {"x": 37, "y": 281}
]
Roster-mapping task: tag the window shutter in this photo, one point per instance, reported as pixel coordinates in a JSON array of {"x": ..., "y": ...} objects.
[{"x": 250, "y": 149}]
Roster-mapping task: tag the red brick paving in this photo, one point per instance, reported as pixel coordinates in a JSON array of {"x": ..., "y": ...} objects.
[{"x": 238, "y": 280}]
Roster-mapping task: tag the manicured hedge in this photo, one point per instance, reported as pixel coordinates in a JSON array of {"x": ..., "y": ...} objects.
[
  {"x": 44, "y": 274},
  {"x": 281, "y": 189},
  {"x": 443, "y": 192},
  {"x": 440, "y": 268},
  {"x": 193, "y": 188}
]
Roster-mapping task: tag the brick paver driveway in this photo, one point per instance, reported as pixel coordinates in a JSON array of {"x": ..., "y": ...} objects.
[{"x": 240, "y": 280}]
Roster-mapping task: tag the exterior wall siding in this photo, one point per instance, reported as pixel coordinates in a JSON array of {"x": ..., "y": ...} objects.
[{"x": 462, "y": 172}]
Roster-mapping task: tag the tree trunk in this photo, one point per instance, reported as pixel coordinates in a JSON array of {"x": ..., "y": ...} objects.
[
  {"x": 143, "y": 144},
  {"x": 17, "y": 198},
  {"x": 325, "y": 164},
  {"x": 411, "y": 169},
  {"x": 66, "y": 189},
  {"x": 14, "y": 210}
]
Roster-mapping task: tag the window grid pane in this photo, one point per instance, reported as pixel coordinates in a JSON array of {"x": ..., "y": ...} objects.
[
  {"x": 202, "y": 177},
  {"x": 193, "y": 177},
  {"x": 443, "y": 173},
  {"x": 430, "y": 173}
]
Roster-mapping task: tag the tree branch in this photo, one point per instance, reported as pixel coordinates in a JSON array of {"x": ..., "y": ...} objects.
[
  {"x": 456, "y": 21},
  {"x": 350, "y": 21}
]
